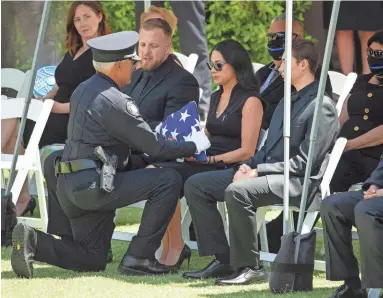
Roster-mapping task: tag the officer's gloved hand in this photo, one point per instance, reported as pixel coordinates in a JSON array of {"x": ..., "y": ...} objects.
[
  {"x": 158, "y": 128},
  {"x": 200, "y": 140}
]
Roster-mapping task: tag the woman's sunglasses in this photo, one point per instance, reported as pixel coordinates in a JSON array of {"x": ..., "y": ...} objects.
[
  {"x": 375, "y": 53},
  {"x": 218, "y": 66},
  {"x": 278, "y": 36}
]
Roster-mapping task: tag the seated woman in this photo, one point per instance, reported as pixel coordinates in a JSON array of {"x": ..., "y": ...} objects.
[
  {"x": 362, "y": 123},
  {"x": 233, "y": 126}
]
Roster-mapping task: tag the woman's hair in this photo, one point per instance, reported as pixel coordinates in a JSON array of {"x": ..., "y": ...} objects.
[
  {"x": 235, "y": 55},
  {"x": 167, "y": 15},
  {"x": 73, "y": 39}
]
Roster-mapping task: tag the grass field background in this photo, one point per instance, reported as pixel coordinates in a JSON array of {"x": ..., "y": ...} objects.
[{"x": 50, "y": 281}]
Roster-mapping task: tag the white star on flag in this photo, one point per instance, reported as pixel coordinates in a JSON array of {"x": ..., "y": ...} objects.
[
  {"x": 187, "y": 138},
  {"x": 196, "y": 123},
  {"x": 164, "y": 130},
  {"x": 184, "y": 115},
  {"x": 174, "y": 134}
]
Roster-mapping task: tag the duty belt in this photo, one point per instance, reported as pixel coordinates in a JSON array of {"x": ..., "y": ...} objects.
[{"x": 67, "y": 167}]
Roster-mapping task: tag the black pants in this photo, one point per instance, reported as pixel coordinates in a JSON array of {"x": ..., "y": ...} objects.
[
  {"x": 353, "y": 167},
  {"x": 242, "y": 198},
  {"x": 91, "y": 212},
  {"x": 339, "y": 213}
]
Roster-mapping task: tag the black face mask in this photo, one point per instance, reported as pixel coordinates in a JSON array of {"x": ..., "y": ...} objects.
[
  {"x": 376, "y": 67},
  {"x": 276, "y": 48}
]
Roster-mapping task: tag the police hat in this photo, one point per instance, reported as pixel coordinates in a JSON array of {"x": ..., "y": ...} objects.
[{"x": 115, "y": 47}]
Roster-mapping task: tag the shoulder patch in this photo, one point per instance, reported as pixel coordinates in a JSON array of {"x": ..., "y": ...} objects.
[{"x": 132, "y": 109}]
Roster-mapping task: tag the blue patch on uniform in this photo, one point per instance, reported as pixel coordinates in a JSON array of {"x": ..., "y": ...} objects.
[{"x": 132, "y": 109}]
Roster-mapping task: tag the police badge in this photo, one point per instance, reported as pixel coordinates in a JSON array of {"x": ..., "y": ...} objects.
[{"x": 132, "y": 109}]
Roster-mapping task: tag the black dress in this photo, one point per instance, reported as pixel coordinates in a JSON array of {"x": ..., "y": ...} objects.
[
  {"x": 225, "y": 132},
  {"x": 69, "y": 74},
  {"x": 365, "y": 113}
]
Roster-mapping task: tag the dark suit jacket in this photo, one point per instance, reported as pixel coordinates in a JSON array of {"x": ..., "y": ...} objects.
[
  {"x": 170, "y": 88},
  {"x": 273, "y": 94},
  {"x": 376, "y": 176},
  {"x": 269, "y": 160}
]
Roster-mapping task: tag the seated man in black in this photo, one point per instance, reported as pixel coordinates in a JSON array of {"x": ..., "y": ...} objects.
[
  {"x": 272, "y": 90},
  {"x": 363, "y": 210},
  {"x": 260, "y": 182},
  {"x": 160, "y": 88}
]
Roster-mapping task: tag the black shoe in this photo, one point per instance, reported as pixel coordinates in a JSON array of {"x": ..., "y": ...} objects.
[
  {"x": 24, "y": 242},
  {"x": 214, "y": 269},
  {"x": 30, "y": 207},
  {"x": 10, "y": 223},
  {"x": 244, "y": 276},
  {"x": 185, "y": 254},
  {"x": 344, "y": 291},
  {"x": 131, "y": 265},
  {"x": 109, "y": 258}
]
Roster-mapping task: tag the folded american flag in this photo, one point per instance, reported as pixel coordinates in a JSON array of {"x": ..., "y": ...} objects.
[{"x": 178, "y": 126}]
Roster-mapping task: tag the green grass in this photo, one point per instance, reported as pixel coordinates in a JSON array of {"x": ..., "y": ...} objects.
[{"x": 50, "y": 281}]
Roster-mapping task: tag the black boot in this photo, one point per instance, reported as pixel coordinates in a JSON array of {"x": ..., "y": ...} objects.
[
  {"x": 344, "y": 291},
  {"x": 24, "y": 242}
]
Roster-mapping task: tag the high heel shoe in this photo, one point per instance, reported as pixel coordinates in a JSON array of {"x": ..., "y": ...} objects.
[
  {"x": 30, "y": 207},
  {"x": 185, "y": 254}
]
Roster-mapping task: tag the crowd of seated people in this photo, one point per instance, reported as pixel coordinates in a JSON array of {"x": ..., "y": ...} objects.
[{"x": 235, "y": 172}]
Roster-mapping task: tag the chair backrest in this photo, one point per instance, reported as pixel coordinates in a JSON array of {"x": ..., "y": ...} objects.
[
  {"x": 335, "y": 156},
  {"x": 349, "y": 83},
  {"x": 13, "y": 108},
  {"x": 12, "y": 78},
  {"x": 24, "y": 87},
  {"x": 188, "y": 63},
  {"x": 3, "y": 97},
  {"x": 337, "y": 81},
  {"x": 257, "y": 66}
]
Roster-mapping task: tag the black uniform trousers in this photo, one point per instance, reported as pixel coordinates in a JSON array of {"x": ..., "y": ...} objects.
[
  {"x": 91, "y": 212},
  {"x": 203, "y": 191},
  {"x": 353, "y": 167},
  {"x": 339, "y": 213}
]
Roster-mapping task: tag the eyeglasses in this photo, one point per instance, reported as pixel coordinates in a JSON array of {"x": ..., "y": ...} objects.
[
  {"x": 279, "y": 35},
  {"x": 134, "y": 62},
  {"x": 375, "y": 53},
  {"x": 218, "y": 66}
]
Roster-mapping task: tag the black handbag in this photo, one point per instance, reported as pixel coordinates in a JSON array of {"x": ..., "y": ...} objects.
[{"x": 286, "y": 276}]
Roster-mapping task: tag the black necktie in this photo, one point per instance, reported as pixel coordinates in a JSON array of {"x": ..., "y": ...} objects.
[{"x": 138, "y": 91}]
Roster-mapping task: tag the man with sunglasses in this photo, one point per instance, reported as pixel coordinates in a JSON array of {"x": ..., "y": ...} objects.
[
  {"x": 272, "y": 90},
  {"x": 91, "y": 185}
]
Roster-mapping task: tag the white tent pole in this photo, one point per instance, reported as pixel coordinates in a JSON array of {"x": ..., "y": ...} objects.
[
  {"x": 146, "y": 5},
  {"x": 287, "y": 112},
  {"x": 317, "y": 116}
]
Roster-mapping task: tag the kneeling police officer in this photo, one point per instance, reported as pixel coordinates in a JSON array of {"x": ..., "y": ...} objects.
[{"x": 93, "y": 177}]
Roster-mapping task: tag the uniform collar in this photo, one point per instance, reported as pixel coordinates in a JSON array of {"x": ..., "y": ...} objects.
[{"x": 105, "y": 77}]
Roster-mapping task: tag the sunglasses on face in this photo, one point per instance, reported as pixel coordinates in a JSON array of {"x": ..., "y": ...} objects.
[
  {"x": 375, "y": 53},
  {"x": 218, "y": 66},
  {"x": 278, "y": 36}
]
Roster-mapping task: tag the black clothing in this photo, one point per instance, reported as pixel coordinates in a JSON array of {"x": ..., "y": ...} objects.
[
  {"x": 356, "y": 15},
  {"x": 100, "y": 115},
  {"x": 163, "y": 91},
  {"x": 364, "y": 109},
  {"x": 226, "y": 129},
  {"x": 69, "y": 74},
  {"x": 273, "y": 94}
]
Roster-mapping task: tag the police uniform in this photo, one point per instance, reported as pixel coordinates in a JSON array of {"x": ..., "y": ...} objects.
[
  {"x": 100, "y": 115},
  {"x": 339, "y": 213}
]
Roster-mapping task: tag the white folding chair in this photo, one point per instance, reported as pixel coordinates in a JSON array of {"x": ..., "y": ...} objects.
[
  {"x": 374, "y": 293},
  {"x": 337, "y": 81},
  {"x": 257, "y": 66},
  {"x": 188, "y": 62},
  {"x": 12, "y": 78},
  {"x": 308, "y": 223},
  {"x": 349, "y": 82},
  {"x": 30, "y": 161}
]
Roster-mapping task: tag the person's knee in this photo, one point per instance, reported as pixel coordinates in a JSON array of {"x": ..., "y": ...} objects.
[
  {"x": 172, "y": 179},
  {"x": 364, "y": 213},
  {"x": 234, "y": 193},
  {"x": 191, "y": 187},
  {"x": 49, "y": 165},
  {"x": 329, "y": 204}
]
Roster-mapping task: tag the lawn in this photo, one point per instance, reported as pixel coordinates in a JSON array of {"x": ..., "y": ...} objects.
[{"x": 50, "y": 281}]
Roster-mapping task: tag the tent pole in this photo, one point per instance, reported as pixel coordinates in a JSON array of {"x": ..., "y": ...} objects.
[
  {"x": 317, "y": 116},
  {"x": 39, "y": 44},
  {"x": 287, "y": 113}
]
